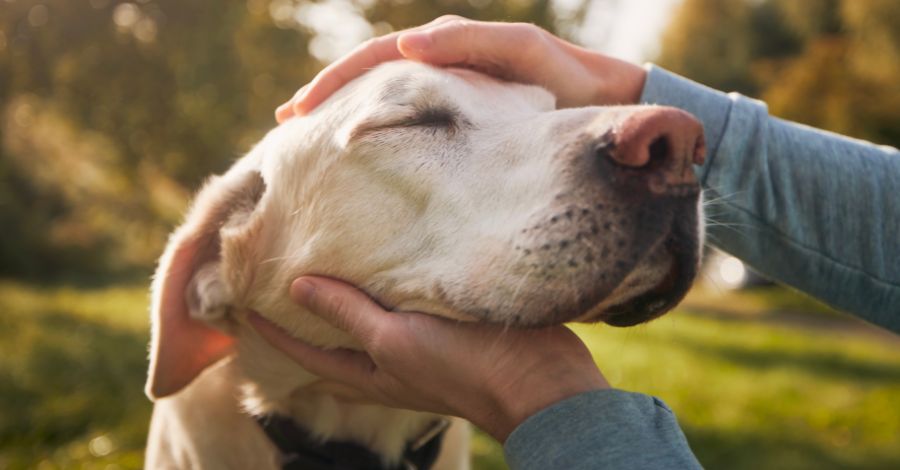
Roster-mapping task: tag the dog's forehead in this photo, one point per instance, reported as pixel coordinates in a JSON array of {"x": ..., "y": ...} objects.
[
  {"x": 404, "y": 81},
  {"x": 385, "y": 92}
]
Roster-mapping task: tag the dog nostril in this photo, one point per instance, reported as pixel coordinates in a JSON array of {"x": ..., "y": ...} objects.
[
  {"x": 657, "y": 138},
  {"x": 659, "y": 152},
  {"x": 604, "y": 148}
]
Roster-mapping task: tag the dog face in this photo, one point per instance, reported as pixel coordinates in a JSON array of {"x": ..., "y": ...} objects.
[{"x": 447, "y": 192}]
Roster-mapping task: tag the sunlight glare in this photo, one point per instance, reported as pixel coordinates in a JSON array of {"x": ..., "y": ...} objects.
[
  {"x": 732, "y": 272},
  {"x": 627, "y": 29},
  {"x": 338, "y": 26}
]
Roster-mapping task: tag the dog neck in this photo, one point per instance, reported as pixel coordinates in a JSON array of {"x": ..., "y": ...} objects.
[
  {"x": 301, "y": 451},
  {"x": 272, "y": 384}
]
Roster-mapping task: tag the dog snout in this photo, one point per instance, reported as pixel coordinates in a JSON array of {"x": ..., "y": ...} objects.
[{"x": 657, "y": 145}]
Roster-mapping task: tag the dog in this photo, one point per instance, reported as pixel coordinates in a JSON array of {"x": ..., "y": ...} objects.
[{"x": 434, "y": 190}]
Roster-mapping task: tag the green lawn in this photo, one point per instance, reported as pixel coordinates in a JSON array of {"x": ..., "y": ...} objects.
[{"x": 759, "y": 380}]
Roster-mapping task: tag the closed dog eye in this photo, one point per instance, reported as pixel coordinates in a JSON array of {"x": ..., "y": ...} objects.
[{"x": 433, "y": 118}]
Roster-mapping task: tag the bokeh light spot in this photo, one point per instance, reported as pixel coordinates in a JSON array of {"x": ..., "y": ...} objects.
[
  {"x": 126, "y": 15},
  {"x": 101, "y": 446},
  {"x": 732, "y": 272},
  {"x": 23, "y": 114},
  {"x": 38, "y": 15},
  {"x": 145, "y": 30}
]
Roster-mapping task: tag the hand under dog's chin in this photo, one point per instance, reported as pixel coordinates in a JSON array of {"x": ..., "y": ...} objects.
[{"x": 338, "y": 391}]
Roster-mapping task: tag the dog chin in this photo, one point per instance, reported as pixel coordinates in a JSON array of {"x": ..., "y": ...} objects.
[{"x": 654, "y": 286}]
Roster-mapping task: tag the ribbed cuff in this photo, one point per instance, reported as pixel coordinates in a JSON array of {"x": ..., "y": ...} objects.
[{"x": 600, "y": 429}]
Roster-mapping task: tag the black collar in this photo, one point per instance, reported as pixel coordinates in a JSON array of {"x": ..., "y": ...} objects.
[{"x": 301, "y": 451}]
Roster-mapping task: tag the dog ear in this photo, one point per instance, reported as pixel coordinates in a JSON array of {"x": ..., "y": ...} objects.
[{"x": 182, "y": 345}]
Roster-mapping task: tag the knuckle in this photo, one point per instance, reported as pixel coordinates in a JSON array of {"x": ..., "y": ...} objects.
[
  {"x": 456, "y": 24},
  {"x": 533, "y": 40},
  {"x": 447, "y": 18},
  {"x": 376, "y": 341},
  {"x": 464, "y": 24},
  {"x": 339, "y": 306},
  {"x": 383, "y": 337},
  {"x": 463, "y": 30},
  {"x": 528, "y": 33}
]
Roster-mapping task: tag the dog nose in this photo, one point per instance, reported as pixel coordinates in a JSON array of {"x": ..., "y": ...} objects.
[{"x": 658, "y": 141}]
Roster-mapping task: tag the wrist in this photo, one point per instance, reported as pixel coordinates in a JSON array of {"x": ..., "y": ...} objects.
[
  {"x": 536, "y": 391},
  {"x": 617, "y": 81}
]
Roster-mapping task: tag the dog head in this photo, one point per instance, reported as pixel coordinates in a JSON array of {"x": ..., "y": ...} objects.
[{"x": 441, "y": 191}]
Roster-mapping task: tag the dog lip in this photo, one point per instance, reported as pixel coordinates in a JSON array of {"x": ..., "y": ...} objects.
[
  {"x": 646, "y": 306},
  {"x": 661, "y": 298}
]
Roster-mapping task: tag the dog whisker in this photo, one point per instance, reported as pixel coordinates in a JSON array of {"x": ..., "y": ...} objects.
[{"x": 720, "y": 198}]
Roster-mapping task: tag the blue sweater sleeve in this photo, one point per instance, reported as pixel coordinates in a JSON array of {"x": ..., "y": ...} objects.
[
  {"x": 607, "y": 429},
  {"x": 811, "y": 209},
  {"x": 814, "y": 210}
]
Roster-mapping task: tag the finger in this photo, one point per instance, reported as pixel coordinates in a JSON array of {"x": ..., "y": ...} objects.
[
  {"x": 341, "y": 305},
  {"x": 286, "y": 110},
  {"x": 354, "y": 64},
  {"x": 353, "y": 368},
  {"x": 468, "y": 42},
  {"x": 341, "y": 72}
]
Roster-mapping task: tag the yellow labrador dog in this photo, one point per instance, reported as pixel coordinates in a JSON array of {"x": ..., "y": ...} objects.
[{"x": 434, "y": 190}]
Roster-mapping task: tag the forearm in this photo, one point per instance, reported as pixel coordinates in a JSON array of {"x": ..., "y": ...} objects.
[
  {"x": 601, "y": 429},
  {"x": 808, "y": 208}
]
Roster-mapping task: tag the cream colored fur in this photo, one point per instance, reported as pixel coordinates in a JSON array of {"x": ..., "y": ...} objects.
[{"x": 434, "y": 191}]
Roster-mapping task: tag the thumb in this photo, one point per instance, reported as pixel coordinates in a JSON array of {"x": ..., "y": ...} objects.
[
  {"x": 341, "y": 365},
  {"x": 341, "y": 305}
]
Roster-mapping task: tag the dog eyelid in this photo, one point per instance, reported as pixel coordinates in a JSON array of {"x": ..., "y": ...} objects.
[{"x": 433, "y": 117}]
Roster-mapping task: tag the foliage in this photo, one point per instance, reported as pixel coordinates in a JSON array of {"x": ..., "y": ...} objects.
[
  {"x": 71, "y": 367},
  {"x": 782, "y": 390},
  {"x": 112, "y": 112},
  {"x": 828, "y": 63}
]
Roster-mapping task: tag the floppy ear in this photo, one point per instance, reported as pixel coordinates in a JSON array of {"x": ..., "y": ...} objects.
[{"x": 182, "y": 346}]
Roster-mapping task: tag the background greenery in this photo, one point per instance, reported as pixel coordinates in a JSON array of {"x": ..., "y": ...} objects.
[
  {"x": 112, "y": 112},
  {"x": 762, "y": 379}
]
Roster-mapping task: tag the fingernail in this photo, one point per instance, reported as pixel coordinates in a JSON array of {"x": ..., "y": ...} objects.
[
  {"x": 299, "y": 100},
  {"x": 280, "y": 115},
  {"x": 302, "y": 291},
  {"x": 416, "y": 41}
]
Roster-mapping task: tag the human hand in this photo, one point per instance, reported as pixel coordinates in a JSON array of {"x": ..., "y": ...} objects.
[
  {"x": 493, "y": 376},
  {"x": 519, "y": 52}
]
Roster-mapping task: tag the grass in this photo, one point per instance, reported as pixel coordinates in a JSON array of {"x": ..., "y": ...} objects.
[
  {"x": 759, "y": 380},
  {"x": 71, "y": 367}
]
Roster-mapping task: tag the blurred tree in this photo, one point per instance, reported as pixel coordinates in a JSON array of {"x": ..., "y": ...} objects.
[
  {"x": 828, "y": 63},
  {"x": 111, "y": 111},
  {"x": 710, "y": 40}
]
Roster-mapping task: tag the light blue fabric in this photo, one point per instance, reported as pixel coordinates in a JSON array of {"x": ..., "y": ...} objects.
[
  {"x": 606, "y": 429},
  {"x": 814, "y": 210}
]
